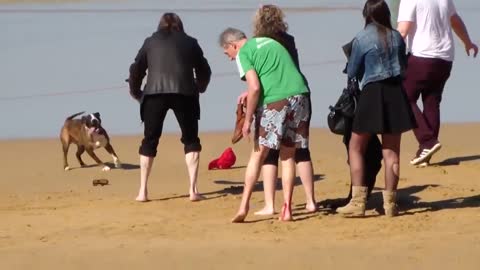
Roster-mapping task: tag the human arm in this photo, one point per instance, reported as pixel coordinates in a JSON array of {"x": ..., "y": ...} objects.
[
  {"x": 203, "y": 72},
  {"x": 253, "y": 90},
  {"x": 460, "y": 30},
  {"x": 137, "y": 73},
  {"x": 355, "y": 66},
  {"x": 407, "y": 17},
  {"x": 404, "y": 28}
]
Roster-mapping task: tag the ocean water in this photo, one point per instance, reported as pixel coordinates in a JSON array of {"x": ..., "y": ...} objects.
[{"x": 59, "y": 59}]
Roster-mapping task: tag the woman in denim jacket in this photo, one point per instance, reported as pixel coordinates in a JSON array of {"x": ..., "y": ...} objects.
[{"x": 378, "y": 60}]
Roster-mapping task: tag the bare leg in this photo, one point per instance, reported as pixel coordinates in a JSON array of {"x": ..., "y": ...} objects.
[
  {"x": 192, "y": 159},
  {"x": 356, "y": 151},
  {"x": 269, "y": 173},
  {"x": 145, "y": 169},
  {"x": 391, "y": 157},
  {"x": 287, "y": 156},
  {"x": 305, "y": 171},
  {"x": 251, "y": 176}
]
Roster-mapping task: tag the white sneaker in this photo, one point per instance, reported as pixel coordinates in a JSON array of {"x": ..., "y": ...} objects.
[{"x": 425, "y": 155}]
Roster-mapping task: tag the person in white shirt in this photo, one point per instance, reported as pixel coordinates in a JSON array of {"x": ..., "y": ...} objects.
[{"x": 427, "y": 27}]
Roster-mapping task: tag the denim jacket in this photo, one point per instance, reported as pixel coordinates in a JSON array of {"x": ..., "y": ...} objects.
[{"x": 371, "y": 61}]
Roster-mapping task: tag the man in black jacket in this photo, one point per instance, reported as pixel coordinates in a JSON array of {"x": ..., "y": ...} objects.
[{"x": 177, "y": 74}]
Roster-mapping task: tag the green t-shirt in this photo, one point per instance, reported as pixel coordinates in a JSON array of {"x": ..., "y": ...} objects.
[{"x": 278, "y": 75}]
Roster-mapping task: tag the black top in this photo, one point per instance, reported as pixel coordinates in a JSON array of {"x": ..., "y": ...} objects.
[
  {"x": 175, "y": 65},
  {"x": 288, "y": 42}
]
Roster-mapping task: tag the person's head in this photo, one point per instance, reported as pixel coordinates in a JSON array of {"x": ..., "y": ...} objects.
[
  {"x": 170, "y": 22},
  {"x": 377, "y": 12},
  {"x": 231, "y": 40},
  {"x": 269, "y": 21}
]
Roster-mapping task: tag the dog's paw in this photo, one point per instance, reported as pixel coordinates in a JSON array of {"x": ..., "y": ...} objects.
[
  {"x": 106, "y": 168},
  {"x": 67, "y": 169}
]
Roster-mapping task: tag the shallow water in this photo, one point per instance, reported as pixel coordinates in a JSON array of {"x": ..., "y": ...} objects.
[{"x": 58, "y": 59}]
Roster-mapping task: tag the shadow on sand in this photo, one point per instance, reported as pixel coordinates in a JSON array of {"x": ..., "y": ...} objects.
[
  {"x": 236, "y": 187},
  {"x": 456, "y": 160},
  {"x": 408, "y": 203}
]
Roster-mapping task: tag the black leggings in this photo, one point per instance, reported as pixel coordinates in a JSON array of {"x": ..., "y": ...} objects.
[
  {"x": 153, "y": 111},
  {"x": 373, "y": 161}
]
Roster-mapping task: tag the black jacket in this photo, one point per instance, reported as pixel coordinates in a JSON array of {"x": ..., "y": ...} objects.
[{"x": 175, "y": 65}]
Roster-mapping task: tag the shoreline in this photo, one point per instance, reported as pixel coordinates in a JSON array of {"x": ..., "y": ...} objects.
[{"x": 226, "y": 132}]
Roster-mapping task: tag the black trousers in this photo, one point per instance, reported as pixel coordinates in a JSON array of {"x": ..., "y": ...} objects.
[
  {"x": 153, "y": 110},
  {"x": 373, "y": 161}
]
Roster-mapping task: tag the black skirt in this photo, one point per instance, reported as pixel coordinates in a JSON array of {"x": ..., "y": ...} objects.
[{"x": 383, "y": 108}]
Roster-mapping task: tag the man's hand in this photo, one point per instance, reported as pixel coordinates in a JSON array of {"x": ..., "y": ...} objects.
[
  {"x": 246, "y": 128},
  {"x": 471, "y": 46},
  {"x": 242, "y": 98}
]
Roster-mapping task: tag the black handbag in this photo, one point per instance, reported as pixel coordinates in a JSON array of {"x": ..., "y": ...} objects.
[{"x": 341, "y": 115}]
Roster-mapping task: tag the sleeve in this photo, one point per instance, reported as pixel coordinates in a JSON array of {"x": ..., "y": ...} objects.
[
  {"x": 402, "y": 53},
  {"x": 203, "y": 71},
  {"x": 407, "y": 12},
  {"x": 138, "y": 71},
  {"x": 452, "y": 10},
  {"x": 244, "y": 62},
  {"x": 356, "y": 61}
]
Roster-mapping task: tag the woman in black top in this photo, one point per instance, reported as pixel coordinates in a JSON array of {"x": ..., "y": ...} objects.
[
  {"x": 177, "y": 74},
  {"x": 269, "y": 22}
]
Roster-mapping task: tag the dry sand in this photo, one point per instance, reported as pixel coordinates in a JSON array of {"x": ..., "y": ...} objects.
[{"x": 51, "y": 219}]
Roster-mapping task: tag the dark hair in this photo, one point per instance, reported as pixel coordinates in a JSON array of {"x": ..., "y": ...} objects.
[
  {"x": 378, "y": 13},
  {"x": 171, "y": 22}
]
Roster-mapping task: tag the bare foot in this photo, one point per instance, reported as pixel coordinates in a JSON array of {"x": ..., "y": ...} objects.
[
  {"x": 266, "y": 211},
  {"x": 67, "y": 168},
  {"x": 195, "y": 197},
  {"x": 106, "y": 168},
  {"x": 286, "y": 214},
  {"x": 142, "y": 198},
  {"x": 311, "y": 208},
  {"x": 239, "y": 217}
]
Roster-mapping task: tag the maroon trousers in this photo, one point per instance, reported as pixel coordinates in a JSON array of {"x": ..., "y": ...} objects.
[{"x": 426, "y": 77}]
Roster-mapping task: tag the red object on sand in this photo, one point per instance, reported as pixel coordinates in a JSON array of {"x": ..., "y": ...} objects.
[{"x": 225, "y": 161}]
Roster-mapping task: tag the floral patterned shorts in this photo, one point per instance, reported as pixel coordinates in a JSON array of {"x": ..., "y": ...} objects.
[{"x": 285, "y": 122}]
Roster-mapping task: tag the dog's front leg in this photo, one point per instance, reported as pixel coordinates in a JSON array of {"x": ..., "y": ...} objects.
[
  {"x": 110, "y": 150},
  {"x": 99, "y": 162},
  {"x": 65, "y": 146},
  {"x": 79, "y": 153}
]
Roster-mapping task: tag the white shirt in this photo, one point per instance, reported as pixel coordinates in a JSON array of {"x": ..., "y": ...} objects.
[{"x": 431, "y": 36}]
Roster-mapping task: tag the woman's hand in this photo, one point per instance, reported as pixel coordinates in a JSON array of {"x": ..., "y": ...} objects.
[
  {"x": 242, "y": 98},
  {"x": 137, "y": 95}
]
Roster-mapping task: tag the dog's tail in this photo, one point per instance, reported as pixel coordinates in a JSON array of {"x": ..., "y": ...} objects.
[{"x": 74, "y": 115}]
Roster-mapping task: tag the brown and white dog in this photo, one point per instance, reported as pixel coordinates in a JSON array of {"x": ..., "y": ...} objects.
[{"x": 88, "y": 134}]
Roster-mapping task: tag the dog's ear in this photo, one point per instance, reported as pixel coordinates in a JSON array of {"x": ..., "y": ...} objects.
[
  {"x": 84, "y": 119},
  {"x": 97, "y": 115}
]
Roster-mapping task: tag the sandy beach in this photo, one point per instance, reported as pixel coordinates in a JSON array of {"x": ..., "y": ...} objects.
[{"x": 52, "y": 219}]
